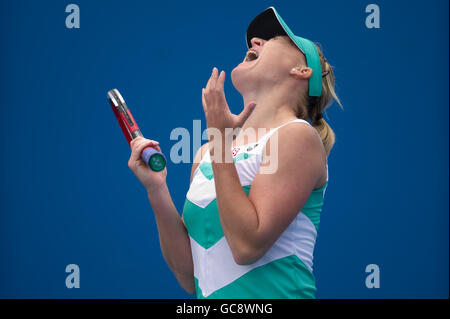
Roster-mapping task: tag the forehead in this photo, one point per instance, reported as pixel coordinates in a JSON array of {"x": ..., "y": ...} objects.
[
  {"x": 282, "y": 40},
  {"x": 288, "y": 47}
]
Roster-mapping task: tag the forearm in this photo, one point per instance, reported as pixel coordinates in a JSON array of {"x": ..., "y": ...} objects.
[
  {"x": 173, "y": 237},
  {"x": 237, "y": 213}
]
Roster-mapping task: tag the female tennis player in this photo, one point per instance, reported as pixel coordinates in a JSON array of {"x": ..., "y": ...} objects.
[{"x": 252, "y": 212}]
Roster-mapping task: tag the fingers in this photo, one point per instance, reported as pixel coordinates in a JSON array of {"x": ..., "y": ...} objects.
[
  {"x": 137, "y": 146},
  {"x": 214, "y": 76},
  {"x": 220, "y": 81},
  {"x": 152, "y": 144},
  {"x": 156, "y": 147},
  {"x": 140, "y": 140},
  {"x": 214, "y": 90},
  {"x": 243, "y": 116},
  {"x": 212, "y": 82},
  {"x": 209, "y": 85},
  {"x": 215, "y": 83},
  {"x": 205, "y": 107}
]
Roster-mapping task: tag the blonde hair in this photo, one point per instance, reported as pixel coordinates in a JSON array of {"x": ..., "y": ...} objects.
[{"x": 313, "y": 108}]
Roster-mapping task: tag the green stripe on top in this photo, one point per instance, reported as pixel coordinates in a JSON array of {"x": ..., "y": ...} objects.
[
  {"x": 206, "y": 168},
  {"x": 313, "y": 205},
  {"x": 284, "y": 278},
  {"x": 242, "y": 156},
  {"x": 203, "y": 224}
]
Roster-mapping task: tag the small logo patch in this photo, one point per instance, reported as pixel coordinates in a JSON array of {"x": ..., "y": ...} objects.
[{"x": 252, "y": 147}]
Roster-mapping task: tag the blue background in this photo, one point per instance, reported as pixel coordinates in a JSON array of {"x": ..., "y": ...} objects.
[{"x": 67, "y": 195}]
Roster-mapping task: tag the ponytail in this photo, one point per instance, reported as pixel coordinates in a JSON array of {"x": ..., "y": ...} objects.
[
  {"x": 325, "y": 133},
  {"x": 313, "y": 107},
  {"x": 316, "y": 110}
]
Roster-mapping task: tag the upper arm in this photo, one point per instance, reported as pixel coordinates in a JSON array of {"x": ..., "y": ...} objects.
[{"x": 280, "y": 195}]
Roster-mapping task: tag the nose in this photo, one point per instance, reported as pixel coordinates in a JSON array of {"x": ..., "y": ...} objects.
[{"x": 257, "y": 42}]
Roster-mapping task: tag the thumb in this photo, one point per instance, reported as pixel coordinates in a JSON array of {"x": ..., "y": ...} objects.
[{"x": 248, "y": 109}]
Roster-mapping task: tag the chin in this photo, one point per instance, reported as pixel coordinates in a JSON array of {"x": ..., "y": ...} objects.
[
  {"x": 240, "y": 78},
  {"x": 236, "y": 76}
]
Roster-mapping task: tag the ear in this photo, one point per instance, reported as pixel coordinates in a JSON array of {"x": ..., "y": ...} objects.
[{"x": 301, "y": 72}]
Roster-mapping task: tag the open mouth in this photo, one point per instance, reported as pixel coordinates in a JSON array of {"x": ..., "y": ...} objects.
[{"x": 251, "y": 56}]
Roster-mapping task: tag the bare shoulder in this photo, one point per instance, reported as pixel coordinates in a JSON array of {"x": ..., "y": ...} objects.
[
  {"x": 300, "y": 144},
  {"x": 299, "y": 137}
]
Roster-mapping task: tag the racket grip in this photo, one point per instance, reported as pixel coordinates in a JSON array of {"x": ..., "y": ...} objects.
[{"x": 154, "y": 159}]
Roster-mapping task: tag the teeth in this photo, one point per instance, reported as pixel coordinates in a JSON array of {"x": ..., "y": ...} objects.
[{"x": 251, "y": 55}]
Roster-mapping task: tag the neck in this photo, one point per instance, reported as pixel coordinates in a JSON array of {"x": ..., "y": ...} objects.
[{"x": 272, "y": 109}]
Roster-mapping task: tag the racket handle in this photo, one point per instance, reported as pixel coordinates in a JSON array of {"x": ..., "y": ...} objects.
[{"x": 154, "y": 159}]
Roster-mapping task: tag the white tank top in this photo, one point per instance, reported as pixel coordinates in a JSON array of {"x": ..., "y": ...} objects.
[{"x": 285, "y": 271}]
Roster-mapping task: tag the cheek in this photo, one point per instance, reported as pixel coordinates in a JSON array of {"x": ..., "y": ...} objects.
[
  {"x": 282, "y": 57},
  {"x": 274, "y": 61},
  {"x": 275, "y": 67}
]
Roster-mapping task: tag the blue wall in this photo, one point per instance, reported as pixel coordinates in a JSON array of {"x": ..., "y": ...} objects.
[{"x": 67, "y": 195}]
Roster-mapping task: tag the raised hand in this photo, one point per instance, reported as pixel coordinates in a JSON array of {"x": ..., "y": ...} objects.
[{"x": 215, "y": 106}]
